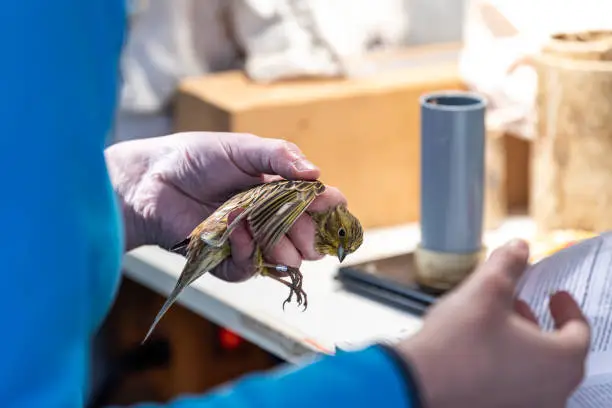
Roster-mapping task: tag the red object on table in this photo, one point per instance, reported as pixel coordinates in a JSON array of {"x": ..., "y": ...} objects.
[{"x": 229, "y": 340}]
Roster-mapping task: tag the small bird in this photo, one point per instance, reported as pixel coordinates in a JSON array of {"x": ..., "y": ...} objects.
[{"x": 270, "y": 210}]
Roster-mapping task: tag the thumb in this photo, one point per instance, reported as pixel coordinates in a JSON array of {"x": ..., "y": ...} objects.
[
  {"x": 573, "y": 328},
  {"x": 257, "y": 155},
  {"x": 496, "y": 280}
]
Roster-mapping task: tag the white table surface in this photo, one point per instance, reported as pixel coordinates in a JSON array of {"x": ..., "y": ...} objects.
[{"x": 334, "y": 318}]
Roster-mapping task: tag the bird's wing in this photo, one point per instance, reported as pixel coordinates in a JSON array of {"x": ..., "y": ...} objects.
[
  {"x": 200, "y": 259},
  {"x": 181, "y": 246},
  {"x": 178, "y": 288},
  {"x": 214, "y": 230},
  {"x": 275, "y": 213}
]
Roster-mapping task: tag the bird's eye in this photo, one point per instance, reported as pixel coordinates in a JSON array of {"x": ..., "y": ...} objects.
[{"x": 341, "y": 232}]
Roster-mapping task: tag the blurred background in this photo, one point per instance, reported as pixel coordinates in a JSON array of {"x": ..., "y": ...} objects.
[
  {"x": 171, "y": 40},
  {"x": 346, "y": 76}
]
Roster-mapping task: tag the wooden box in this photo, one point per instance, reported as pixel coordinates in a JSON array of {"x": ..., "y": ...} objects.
[{"x": 362, "y": 132}]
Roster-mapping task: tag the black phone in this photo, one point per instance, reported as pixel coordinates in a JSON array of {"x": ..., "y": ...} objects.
[{"x": 389, "y": 280}]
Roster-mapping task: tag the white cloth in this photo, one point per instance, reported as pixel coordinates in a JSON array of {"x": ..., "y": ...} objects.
[
  {"x": 499, "y": 33},
  {"x": 173, "y": 39},
  {"x": 170, "y": 40},
  {"x": 272, "y": 39}
]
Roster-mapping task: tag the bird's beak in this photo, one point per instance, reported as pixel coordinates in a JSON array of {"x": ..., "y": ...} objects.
[{"x": 341, "y": 253}]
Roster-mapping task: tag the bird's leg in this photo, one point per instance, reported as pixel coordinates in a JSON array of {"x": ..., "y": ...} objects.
[
  {"x": 297, "y": 277},
  {"x": 295, "y": 285},
  {"x": 278, "y": 272},
  {"x": 291, "y": 287},
  {"x": 301, "y": 291}
]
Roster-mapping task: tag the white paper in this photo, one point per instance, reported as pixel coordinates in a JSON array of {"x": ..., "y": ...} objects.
[
  {"x": 585, "y": 271},
  {"x": 595, "y": 392}
]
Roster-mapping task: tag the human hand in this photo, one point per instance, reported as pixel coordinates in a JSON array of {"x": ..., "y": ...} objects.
[
  {"x": 168, "y": 185},
  {"x": 480, "y": 347}
]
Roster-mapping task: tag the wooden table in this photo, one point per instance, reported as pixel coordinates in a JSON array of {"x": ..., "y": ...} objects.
[{"x": 335, "y": 317}]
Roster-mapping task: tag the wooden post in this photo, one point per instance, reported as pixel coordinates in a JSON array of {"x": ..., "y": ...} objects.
[
  {"x": 572, "y": 154},
  {"x": 496, "y": 203}
]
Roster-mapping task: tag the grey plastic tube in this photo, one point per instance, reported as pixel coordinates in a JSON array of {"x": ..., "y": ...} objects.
[{"x": 452, "y": 171}]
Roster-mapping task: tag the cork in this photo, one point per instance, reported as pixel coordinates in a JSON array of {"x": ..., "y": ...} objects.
[{"x": 571, "y": 183}]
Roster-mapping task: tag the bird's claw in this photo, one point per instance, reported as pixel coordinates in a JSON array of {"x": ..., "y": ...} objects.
[
  {"x": 301, "y": 298},
  {"x": 295, "y": 284}
]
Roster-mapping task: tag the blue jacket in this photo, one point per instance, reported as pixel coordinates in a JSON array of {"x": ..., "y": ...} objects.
[{"x": 61, "y": 240}]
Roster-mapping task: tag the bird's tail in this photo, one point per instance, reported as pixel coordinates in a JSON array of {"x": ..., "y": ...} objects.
[
  {"x": 181, "y": 246},
  {"x": 169, "y": 302}
]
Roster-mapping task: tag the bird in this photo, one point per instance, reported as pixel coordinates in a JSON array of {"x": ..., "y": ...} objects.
[{"x": 270, "y": 210}]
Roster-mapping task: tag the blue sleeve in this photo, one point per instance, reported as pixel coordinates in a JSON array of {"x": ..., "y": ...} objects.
[
  {"x": 366, "y": 378},
  {"x": 60, "y": 246},
  {"x": 61, "y": 238}
]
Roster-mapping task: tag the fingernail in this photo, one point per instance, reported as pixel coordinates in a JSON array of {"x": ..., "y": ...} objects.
[
  {"x": 303, "y": 165},
  {"x": 295, "y": 152},
  {"x": 517, "y": 244}
]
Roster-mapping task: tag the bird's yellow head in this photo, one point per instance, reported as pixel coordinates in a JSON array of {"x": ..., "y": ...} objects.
[{"x": 339, "y": 232}]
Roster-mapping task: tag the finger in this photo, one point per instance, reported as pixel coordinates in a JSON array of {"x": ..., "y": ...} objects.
[
  {"x": 522, "y": 309},
  {"x": 564, "y": 309},
  {"x": 241, "y": 264},
  {"x": 170, "y": 230},
  {"x": 268, "y": 178},
  {"x": 330, "y": 198},
  {"x": 242, "y": 245},
  {"x": 284, "y": 253},
  {"x": 496, "y": 280},
  {"x": 302, "y": 236},
  {"x": 256, "y": 155},
  {"x": 302, "y": 232},
  {"x": 573, "y": 327}
]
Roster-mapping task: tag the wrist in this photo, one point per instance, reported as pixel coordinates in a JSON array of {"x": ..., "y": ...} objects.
[
  {"x": 411, "y": 382},
  {"x": 429, "y": 369},
  {"x": 121, "y": 174},
  {"x": 132, "y": 225}
]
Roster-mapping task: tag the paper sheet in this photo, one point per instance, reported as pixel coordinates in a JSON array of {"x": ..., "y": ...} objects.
[
  {"x": 595, "y": 392},
  {"x": 585, "y": 271}
]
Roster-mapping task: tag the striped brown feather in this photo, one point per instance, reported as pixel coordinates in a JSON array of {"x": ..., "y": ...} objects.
[{"x": 278, "y": 209}]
